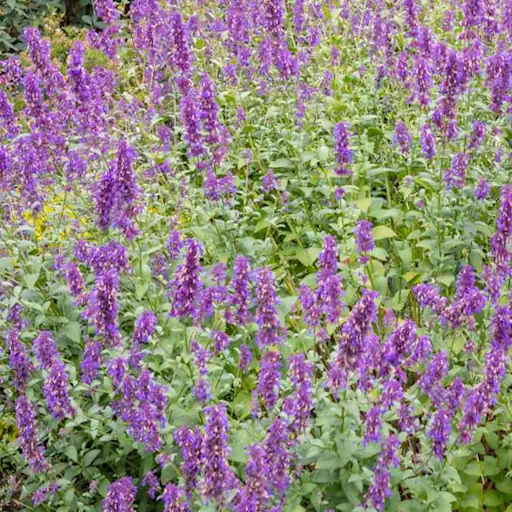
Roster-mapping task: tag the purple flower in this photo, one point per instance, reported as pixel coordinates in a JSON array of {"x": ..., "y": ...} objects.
[
  {"x": 364, "y": 239},
  {"x": 435, "y": 372},
  {"x": 174, "y": 244},
  {"x": 174, "y": 499},
  {"x": 439, "y": 433},
  {"x": 43, "y": 494},
  {"x": 202, "y": 390},
  {"x": 373, "y": 425},
  {"x": 144, "y": 327},
  {"x": 255, "y": 494},
  {"x": 245, "y": 357},
  {"x": 402, "y": 138},
  {"x": 55, "y": 391},
  {"x": 428, "y": 142},
  {"x": 482, "y": 189},
  {"x": 500, "y": 239},
  {"x": 106, "y": 10},
  {"x": 186, "y": 283},
  {"x": 380, "y": 487},
  {"x": 422, "y": 80},
  {"x": 190, "y": 119},
  {"x": 269, "y": 182},
  {"x": 120, "y": 496},
  {"x": 241, "y": 294},
  {"x": 75, "y": 281},
  {"x": 45, "y": 350},
  {"x": 427, "y": 295},
  {"x": 117, "y": 191},
  {"x": 218, "y": 476},
  {"x": 151, "y": 481},
  {"x": 91, "y": 361},
  {"x": 278, "y": 457},
  {"x": 269, "y": 332},
  {"x": 220, "y": 341},
  {"x": 28, "y": 435},
  {"x": 191, "y": 444},
  {"x": 102, "y": 307},
  {"x": 209, "y": 110},
  {"x": 19, "y": 361},
  {"x": 478, "y": 135},
  {"x": 300, "y": 404},
  {"x": 342, "y": 145},
  {"x": 455, "y": 177},
  {"x": 268, "y": 381}
]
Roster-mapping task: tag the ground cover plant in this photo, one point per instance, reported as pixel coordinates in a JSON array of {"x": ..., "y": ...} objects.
[{"x": 256, "y": 256}]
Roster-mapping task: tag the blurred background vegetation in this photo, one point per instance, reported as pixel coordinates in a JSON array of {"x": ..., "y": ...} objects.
[{"x": 15, "y": 15}]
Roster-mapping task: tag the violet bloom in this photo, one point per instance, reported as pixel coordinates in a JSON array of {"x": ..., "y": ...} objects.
[
  {"x": 102, "y": 307},
  {"x": 174, "y": 499},
  {"x": 75, "y": 281},
  {"x": 209, "y": 110},
  {"x": 144, "y": 327},
  {"x": 269, "y": 332},
  {"x": 186, "y": 282},
  {"x": 28, "y": 435},
  {"x": 152, "y": 482},
  {"x": 120, "y": 496},
  {"x": 435, "y": 372},
  {"x": 45, "y": 350},
  {"x": 402, "y": 138},
  {"x": 269, "y": 381},
  {"x": 478, "y": 135},
  {"x": 218, "y": 476},
  {"x": 269, "y": 182},
  {"x": 174, "y": 244},
  {"x": 190, "y": 119},
  {"x": 278, "y": 457},
  {"x": 255, "y": 494},
  {"x": 220, "y": 341},
  {"x": 422, "y": 80},
  {"x": 117, "y": 192},
  {"x": 19, "y": 361},
  {"x": 427, "y": 295},
  {"x": 380, "y": 487},
  {"x": 55, "y": 391},
  {"x": 241, "y": 294},
  {"x": 482, "y": 189},
  {"x": 43, "y": 494},
  {"x": 106, "y": 10},
  {"x": 245, "y": 357},
  {"x": 428, "y": 142},
  {"x": 91, "y": 361},
  {"x": 191, "y": 444},
  {"x": 353, "y": 340},
  {"x": 501, "y": 238},
  {"x": 364, "y": 239},
  {"x": 439, "y": 433},
  {"x": 455, "y": 177},
  {"x": 344, "y": 154},
  {"x": 300, "y": 404}
]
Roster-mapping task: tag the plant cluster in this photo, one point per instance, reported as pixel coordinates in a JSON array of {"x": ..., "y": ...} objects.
[{"x": 256, "y": 256}]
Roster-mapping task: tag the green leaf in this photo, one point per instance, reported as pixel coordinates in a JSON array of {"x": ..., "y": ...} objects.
[
  {"x": 490, "y": 467},
  {"x": 282, "y": 163},
  {"x": 72, "y": 452},
  {"x": 90, "y": 456},
  {"x": 73, "y": 331},
  {"x": 382, "y": 232},
  {"x": 308, "y": 256},
  {"x": 30, "y": 280},
  {"x": 493, "y": 498},
  {"x": 473, "y": 469}
]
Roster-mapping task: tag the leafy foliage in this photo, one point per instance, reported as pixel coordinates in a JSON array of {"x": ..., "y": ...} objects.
[{"x": 257, "y": 257}]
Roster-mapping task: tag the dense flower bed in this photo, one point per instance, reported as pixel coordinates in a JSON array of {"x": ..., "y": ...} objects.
[{"x": 256, "y": 256}]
